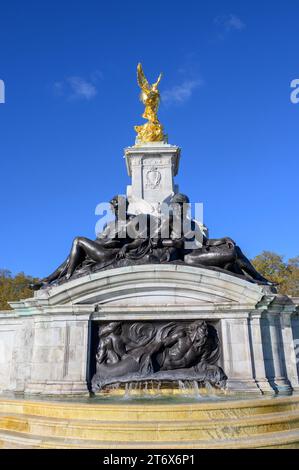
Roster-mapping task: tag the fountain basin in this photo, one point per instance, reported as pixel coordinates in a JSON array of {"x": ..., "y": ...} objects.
[{"x": 230, "y": 423}]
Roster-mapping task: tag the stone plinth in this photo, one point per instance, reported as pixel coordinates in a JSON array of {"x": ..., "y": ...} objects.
[
  {"x": 45, "y": 342},
  {"x": 152, "y": 167}
]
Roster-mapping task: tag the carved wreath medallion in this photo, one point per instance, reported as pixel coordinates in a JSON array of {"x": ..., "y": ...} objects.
[{"x": 153, "y": 178}]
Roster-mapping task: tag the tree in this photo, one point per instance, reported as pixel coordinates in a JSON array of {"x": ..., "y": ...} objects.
[
  {"x": 285, "y": 273},
  {"x": 293, "y": 281},
  {"x": 13, "y": 288}
]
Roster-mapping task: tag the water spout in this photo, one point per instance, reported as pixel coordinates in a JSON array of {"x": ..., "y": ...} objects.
[
  {"x": 211, "y": 391},
  {"x": 196, "y": 389}
]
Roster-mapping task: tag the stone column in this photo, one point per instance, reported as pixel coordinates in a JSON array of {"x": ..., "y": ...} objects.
[
  {"x": 289, "y": 349},
  {"x": 237, "y": 362},
  {"x": 257, "y": 353},
  {"x": 274, "y": 355}
]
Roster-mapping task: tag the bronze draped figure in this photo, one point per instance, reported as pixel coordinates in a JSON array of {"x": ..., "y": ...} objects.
[{"x": 122, "y": 243}]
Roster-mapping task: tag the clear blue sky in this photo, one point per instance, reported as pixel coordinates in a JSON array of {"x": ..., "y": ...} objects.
[{"x": 72, "y": 101}]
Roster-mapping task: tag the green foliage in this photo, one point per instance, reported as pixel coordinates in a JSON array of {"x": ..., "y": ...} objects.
[
  {"x": 13, "y": 287},
  {"x": 276, "y": 269}
]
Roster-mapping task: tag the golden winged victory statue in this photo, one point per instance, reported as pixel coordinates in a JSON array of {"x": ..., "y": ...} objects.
[{"x": 151, "y": 131}]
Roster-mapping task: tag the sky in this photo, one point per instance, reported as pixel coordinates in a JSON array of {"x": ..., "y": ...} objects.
[{"x": 71, "y": 101}]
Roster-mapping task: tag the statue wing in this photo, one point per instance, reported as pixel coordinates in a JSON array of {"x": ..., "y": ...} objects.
[
  {"x": 158, "y": 81},
  {"x": 141, "y": 80}
]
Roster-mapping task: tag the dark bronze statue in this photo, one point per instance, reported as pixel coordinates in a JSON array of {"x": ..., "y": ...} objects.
[
  {"x": 104, "y": 250},
  {"x": 225, "y": 254},
  {"x": 220, "y": 253},
  {"x": 111, "y": 346},
  {"x": 124, "y": 243},
  {"x": 138, "y": 351}
]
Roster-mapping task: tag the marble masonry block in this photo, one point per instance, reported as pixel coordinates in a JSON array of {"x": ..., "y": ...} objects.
[{"x": 152, "y": 167}]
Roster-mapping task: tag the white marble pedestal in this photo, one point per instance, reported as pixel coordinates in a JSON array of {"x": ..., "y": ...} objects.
[
  {"x": 152, "y": 167},
  {"x": 45, "y": 341}
]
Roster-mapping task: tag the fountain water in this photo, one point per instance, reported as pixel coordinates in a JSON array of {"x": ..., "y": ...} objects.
[{"x": 151, "y": 389}]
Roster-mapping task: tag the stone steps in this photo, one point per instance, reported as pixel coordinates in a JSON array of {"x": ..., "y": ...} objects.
[
  {"x": 283, "y": 440},
  {"x": 261, "y": 423},
  {"x": 124, "y": 411},
  {"x": 151, "y": 431}
]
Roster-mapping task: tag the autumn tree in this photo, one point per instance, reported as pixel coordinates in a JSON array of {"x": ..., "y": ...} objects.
[
  {"x": 13, "y": 287},
  {"x": 285, "y": 273}
]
